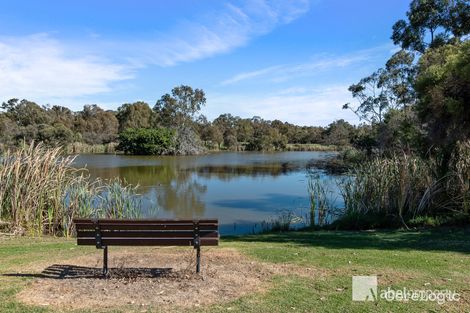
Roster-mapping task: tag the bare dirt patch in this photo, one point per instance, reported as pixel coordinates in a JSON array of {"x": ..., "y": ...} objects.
[{"x": 162, "y": 277}]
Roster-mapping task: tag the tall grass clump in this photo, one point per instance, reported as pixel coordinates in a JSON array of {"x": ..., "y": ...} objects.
[
  {"x": 322, "y": 209},
  {"x": 41, "y": 192},
  {"x": 388, "y": 192},
  {"x": 395, "y": 187},
  {"x": 401, "y": 190},
  {"x": 285, "y": 220},
  {"x": 458, "y": 183},
  {"x": 80, "y": 147}
]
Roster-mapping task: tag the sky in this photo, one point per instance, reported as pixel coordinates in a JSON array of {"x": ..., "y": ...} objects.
[{"x": 291, "y": 60}]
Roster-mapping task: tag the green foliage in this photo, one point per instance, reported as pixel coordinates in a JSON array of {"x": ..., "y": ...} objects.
[
  {"x": 364, "y": 221},
  {"x": 180, "y": 107},
  {"x": 267, "y": 139},
  {"x": 438, "y": 20},
  {"x": 388, "y": 88},
  {"x": 57, "y": 134},
  {"x": 392, "y": 191},
  {"x": 399, "y": 132},
  {"x": 443, "y": 86},
  {"x": 96, "y": 125},
  {"x": 41, "y": 192},
  {"x": 320, "y": 202},
  {"x": 154, "y": 141},
  {"x": 135, "y": 115},
  {"x": 178, "y": 111},
  {"x": 25, "y": 112},
  {"x": 338, "y": 133}
]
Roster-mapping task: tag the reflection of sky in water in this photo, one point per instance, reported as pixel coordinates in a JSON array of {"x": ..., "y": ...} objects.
[{"x": 240, "y": 189}]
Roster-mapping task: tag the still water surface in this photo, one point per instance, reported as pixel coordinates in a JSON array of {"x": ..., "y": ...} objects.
[{"x": 240, "y": 189}]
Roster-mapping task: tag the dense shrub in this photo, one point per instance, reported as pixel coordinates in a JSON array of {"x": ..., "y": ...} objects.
[{"x": 146, "y": 141}]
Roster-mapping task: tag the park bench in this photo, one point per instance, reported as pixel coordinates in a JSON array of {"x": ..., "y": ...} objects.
[{"x": 147, "y": 232}]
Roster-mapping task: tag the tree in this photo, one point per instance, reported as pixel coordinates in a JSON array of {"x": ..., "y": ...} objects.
[
  {"x": 135, "y": 115},
  {"x": 226, "y": 124},
  {"x": 244, "y": 130},
  {"x": 216, "y": 135},
  {"x": 203, "y": 126},
  {"x": 339, "y": 133},
  {"x": 399, "y": 132},
  {"x": 388, "y": 88},
  {"x": 62, "y": 115},
  {"x": 96, "y": 125},
  {"x": 265, "y": 137},
  {"x": 432, "y": 23},
  {"x": 25, "y": 113},
  {"x": 398, "y": 80},
  {"x": 144, "y": 141},
  {"x": 54, "y": 135},
  {"x": 372, "y": 96},
  {"x": 8, "y": 130},
  {"x": 180, "y": 107},
  {"x": 178, "y": 111},
  {"x": 443, "y": 87}
]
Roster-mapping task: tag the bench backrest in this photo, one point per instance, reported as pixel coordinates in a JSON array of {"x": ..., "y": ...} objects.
[{"x": 146, "y": 232}]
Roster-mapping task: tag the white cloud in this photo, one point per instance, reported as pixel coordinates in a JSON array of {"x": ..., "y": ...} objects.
[
  {"x": 44, "y": 69},
  {"x": 299, "y": 105},
  {"x": 219, "y": 32},
  {"x": 285, "y": 72},
  {"x": 40, "y": 68}
]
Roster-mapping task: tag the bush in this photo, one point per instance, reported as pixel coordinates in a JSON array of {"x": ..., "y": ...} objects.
[
  {"x": 364, "y": 221},
  {"x": 146, "y": 141}
]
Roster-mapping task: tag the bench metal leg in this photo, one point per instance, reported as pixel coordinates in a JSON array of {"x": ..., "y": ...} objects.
[
  {"x": 105, "y": 261},
  {"x": 198, "y": 260}
]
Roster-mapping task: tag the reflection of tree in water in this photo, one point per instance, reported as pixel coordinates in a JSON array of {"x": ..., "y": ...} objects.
[
  {"x": 175, "y": 184},
  {"x": 228, "y": 172},
  {"x": 177, "y": 191}
]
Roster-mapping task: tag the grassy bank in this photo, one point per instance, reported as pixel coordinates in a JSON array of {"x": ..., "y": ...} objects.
[
  {"x": 311, "y": 147},
  {"x": 437, "y": 259},
  {"x": 289, "y": 147}
]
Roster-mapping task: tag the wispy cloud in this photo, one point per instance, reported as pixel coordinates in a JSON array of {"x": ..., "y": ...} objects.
[
  {"x": 43, "y": 68},
  {"x": 318, "y": 105},
  {"x": 38, "y": 67},
  {"x": 219, "y": 31},
  {"x": 285, "y": 72}
]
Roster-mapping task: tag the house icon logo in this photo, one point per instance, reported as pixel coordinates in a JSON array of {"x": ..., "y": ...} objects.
[{"x": 364, "y": 288}]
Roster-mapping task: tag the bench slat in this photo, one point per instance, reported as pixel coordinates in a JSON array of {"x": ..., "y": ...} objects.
[
  {"x": 144, "y": 221},
  {"x": 148, "y": 234},
  {"x": 148, "y": 241},
  {"x": 104, "y": 227}
]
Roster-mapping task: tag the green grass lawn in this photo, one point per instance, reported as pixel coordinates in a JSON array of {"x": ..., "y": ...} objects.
[{"x": 438, "y": 259}]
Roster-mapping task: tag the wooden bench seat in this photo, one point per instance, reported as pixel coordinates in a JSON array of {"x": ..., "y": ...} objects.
[{"x": 147, "y": 232}]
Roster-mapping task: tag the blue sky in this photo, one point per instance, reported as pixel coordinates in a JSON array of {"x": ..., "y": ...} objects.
[{"x": 290, "y": 60}]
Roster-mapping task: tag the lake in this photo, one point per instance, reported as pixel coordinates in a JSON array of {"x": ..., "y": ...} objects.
[{"x": 241, "y": 189}]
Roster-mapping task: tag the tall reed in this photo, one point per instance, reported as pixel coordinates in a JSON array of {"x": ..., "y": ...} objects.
[
  {"x": 399, "y": 188},
  {"x": 320, "y": 204},
  {"x": 41, "y": 192}
]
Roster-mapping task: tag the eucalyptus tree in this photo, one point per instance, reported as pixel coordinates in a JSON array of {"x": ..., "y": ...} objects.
[
  {"x": 135, "y": 115},
  {"x": 432, "y": 23},
  {"x": 178, "y": 111}
]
